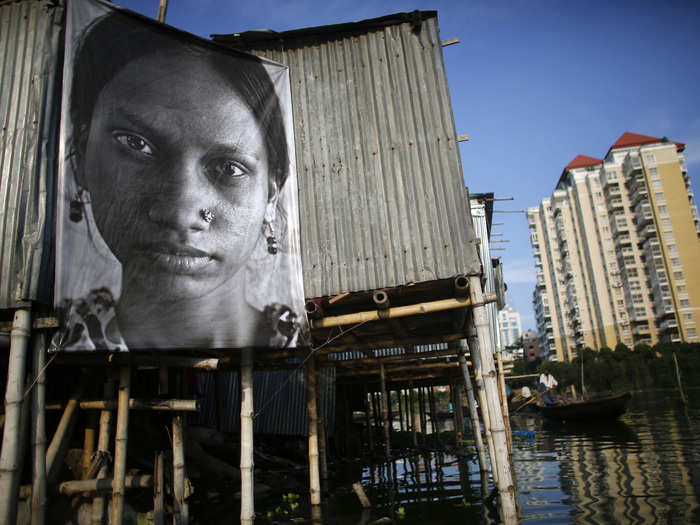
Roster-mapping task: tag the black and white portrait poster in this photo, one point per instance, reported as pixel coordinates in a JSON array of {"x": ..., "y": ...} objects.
[{"x": 178, "y": 212}]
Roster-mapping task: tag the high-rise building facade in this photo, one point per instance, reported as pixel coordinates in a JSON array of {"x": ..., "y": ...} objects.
[
  {"x": 510, "y": 326},
  {"x": 616, "y": 249}
]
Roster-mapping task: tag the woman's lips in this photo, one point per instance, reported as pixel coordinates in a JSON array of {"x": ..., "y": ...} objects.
[{"x": 177, "y": 258}]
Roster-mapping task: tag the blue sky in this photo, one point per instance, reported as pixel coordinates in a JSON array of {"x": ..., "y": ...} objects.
[{"x": 533, "y": 84}]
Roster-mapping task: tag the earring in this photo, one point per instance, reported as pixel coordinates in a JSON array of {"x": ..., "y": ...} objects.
[
  {"x": 77, "y": 206},
  {"x": 271, "y": 240}
]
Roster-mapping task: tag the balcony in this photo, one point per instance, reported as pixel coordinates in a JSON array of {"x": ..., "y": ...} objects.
[
  {"x": 631, "y": 164},
  {"x": 619, "y": 225},
  {"x": 640, "y": 193},
  {"x": 643, "y": 213},
  {"x": 647, "y": 232}
]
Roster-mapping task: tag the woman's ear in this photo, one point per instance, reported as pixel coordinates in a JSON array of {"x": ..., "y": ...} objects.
[{"x": 272, "y": 197}]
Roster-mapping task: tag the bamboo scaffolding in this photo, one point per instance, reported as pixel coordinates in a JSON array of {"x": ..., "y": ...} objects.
[
  {"x": 70, "y": 488},
  {"x": 103, "y": 438},
  {"x": 159, "y": 489},
  {"x": 39, "y": 441},
  {"x": 14, "y": 395},
  {"x": 457, "y": 411},
  {"x": 180, "y": 509},
  {"x": 89, "y": 439},
  {"x": 312, "y": 409},
  {"x": 506, "y": 489},
  {"x": 506, "y": 422},
  {"x": 397, "y": 311},
  {"x": 122, "y": 435},
  {"x": 247, "y": 451},
  {"x": 385, "y": 412},
  {"x": 476, "y": 426},
  {"x": 172, "y": 405}
]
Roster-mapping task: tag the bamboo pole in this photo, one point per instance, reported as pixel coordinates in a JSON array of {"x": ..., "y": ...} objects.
[
  {"x": 312, "y": 409},
  {"x": 504, "y": 405},
  {"x": 398, "y": 398},
  {"x": 88, "y": 444},
  {"x": 421, "y": 412},
  {"x": 59, "y": 443},
  {"x": 159, "y": 489},
  {"x": 14, "y": 394},
  {"x": 122, "y": 435},
  {"x": 69, "y": 488},
  {"x": 433, "y": 413},
  {"x": 323, "y": 463},
  {"x": 172, "y": 405},
  {"x": 414, "y": 415},
  {"x": 678, "y": 378},
  {"x": 481, "y": 394},
  {"x": 39, "y": 441},
  {"x": 103, "y": 438},
  {"x": 180, "y": 510},
  {"x": 505, "y": 483},
  {"x": 385, "y": 412},
  {"x": 368, "y": 420},
  {"x": 247, "y": 451},
  {"x": 457, "y": 410},
  {"x": 397, "y": 311}
]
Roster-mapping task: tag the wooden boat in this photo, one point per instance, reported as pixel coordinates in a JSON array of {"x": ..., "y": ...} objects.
[{"x": 602, "y": 408}]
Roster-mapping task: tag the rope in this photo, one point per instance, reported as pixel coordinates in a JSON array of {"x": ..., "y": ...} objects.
[{"x": 29, "y": 388}]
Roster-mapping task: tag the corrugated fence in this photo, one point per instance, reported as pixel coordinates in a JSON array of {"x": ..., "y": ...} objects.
[{"x": 31, "y": 62}]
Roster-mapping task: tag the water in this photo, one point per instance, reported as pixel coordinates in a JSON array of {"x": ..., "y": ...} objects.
[{"x": 643, "y": 468}]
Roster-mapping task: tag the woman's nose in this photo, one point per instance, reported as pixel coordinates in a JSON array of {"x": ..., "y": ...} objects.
[{"x": 183, "y": 199}]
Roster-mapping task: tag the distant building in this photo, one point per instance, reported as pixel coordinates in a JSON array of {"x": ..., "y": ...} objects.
[
  {"x": 531, "y": 346},
  {"x": 509, "y": 326},
  {"x": 616, "y": 250}
]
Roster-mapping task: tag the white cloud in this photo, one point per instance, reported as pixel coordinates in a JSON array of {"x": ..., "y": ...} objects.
[{"x": 519, "y": 271}]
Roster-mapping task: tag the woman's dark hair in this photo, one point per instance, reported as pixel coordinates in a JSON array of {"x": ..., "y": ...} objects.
[{"x": 114, "y": 40}]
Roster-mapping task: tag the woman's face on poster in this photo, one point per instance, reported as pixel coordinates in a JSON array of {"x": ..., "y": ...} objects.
[{"x": 177, "y": 171}]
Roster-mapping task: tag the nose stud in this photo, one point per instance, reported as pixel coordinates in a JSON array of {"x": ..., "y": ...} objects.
[{"x": 206, "y": 214}]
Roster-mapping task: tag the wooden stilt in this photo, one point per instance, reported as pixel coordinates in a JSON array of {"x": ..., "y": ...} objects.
[
  {"x": 414, "y": 414},
  {"x": 474, "y": 415},
  {"x": 323, "y": 462},
  {"x": 368, "y": 420},
  {"x": 39, "y": 499},
  {"x": 122, "y": 435},
  {"x": 59, "y": 443},
  {"x": 312, "y": 409},
  {"x": 506, "y": 489},
  {"x": 98, "y": 503},
  {"x": 159, "y": 489},
  {"x": 433, "y": 413},
  {"x": 89, "y": 439},
  {"x": 398, "y": 398},
  {"x": 14, "y": 395},
  {"x": 506, "y": 422},
  {"x": 385, "y": 412},
  {"x": 180, "y": 509},
  {"x": 456, "y": 396},
  {"x": 247, "y": 451}
]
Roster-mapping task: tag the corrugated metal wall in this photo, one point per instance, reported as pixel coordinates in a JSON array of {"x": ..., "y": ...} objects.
[
  {"x": 30, "y": 76},
  {"x": 380, "y": 179},
  {"x": 279, "y": 398}
]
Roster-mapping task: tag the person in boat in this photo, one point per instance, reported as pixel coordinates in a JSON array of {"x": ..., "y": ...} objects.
[
  {"x": 176, "y": 159},
  {"x": 547, "y": 385},
  {"x": 525, "y": 392}
]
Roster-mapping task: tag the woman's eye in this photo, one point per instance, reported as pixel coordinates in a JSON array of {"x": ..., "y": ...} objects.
[
  {"x": 135, "y": 143},
  {"x": 225, "y": 170}
]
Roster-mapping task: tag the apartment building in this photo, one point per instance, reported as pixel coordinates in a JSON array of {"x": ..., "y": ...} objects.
[
  {"x": 510, "y": 326},
  {"x": 616, "y": 248}
]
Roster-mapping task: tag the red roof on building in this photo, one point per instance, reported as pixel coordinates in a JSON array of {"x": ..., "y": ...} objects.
[
  {"x": 628, "y": 140},
  {"x": 583, "y": 161}
]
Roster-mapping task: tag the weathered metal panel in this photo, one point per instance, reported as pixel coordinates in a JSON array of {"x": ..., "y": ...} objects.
[
  {"x": 279, "y": 398},
  {"x": 380, "y": 180},
  {"x": 30, "y": 77}
]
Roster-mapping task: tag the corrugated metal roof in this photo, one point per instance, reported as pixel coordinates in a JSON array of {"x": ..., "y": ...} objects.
[
  {"x": 380, "y": 180},
  {"x": 30, "y": 75},
  {"x": 279, "y": 398}
]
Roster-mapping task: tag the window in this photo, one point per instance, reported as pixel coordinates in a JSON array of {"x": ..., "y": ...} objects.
[
  {"x": 678, "y": 275},
  {"x": 692, "y": 332},
  {"x": 656, "y": 184},
  {"x": 649, "y": 157},
  {"x": 669, "y": 236},
  {"x": 675, "y": 261},
  {"x": 659, "y": 196},
  {"x": 640, "y": 312},
  {"x": 637, "y": 298},
  {"x": 654, "y": 172},
  {"x": 685, "y": 303},
  {"x": 632, "y": 272},
  {"x": 634, "y": 285},
  {"x": 666, "y": 223},
  {"x": 680, "y": 288},
  {"x": 688, "y": 318}
]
